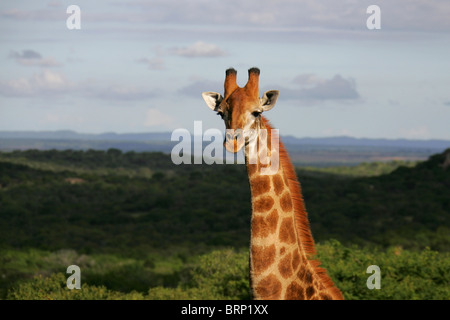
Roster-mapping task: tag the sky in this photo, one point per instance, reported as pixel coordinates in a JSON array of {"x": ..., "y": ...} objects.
[{"x": 141, "y": 66}]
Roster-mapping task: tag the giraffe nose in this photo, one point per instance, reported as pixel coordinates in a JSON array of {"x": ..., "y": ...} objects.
[
  {"x": 232, "y": 135},
  {"x": 229, "y": 136},
  {"x": 233, "y": 140}
]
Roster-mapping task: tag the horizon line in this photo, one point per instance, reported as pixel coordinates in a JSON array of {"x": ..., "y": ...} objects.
[{"x": 169, "y": 132}]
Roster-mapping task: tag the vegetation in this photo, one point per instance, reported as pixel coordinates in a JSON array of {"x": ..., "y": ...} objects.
[
  {"x": 140, "y": 227},
  {"x": 223, "y": 274},
  {"x": 365, "y": 169}
]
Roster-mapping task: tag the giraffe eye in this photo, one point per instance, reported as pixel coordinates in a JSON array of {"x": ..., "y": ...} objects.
[{"x": 256, "y": 113}]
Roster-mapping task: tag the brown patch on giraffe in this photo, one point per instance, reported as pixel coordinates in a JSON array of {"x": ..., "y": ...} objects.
[
  {"x": 285, "y": 178},
  {"x": 301, "y": 274},
  {"x": 305, "y": 275},
  {"x": 295, "y": 260},
  {"x": 260, "y": 185},
  {"x": 272, "y": 219},
  {"x": 269, "y": 288},
  {"x": 319, "y": 286},
  {"x": 259, "y": 227},
  {"x": 287, "y": 234},
  {"x": 284, "y": 266},
  {"x": 282, "y": 250},
  {"x": 263, "y": 226},
  {"x": 286, "y": 202},
  {"x": 324, "y": 296},
  {"x": 266, "y": 257},
  {"x": 309, "y": 292},
  {"x": 278, "y": 184},
  {"x": 294, "y": 292},
  {"x": 251, "y": 169},
  {"x": 263, "y": 204},
  {"x": 308, "y": 278}
]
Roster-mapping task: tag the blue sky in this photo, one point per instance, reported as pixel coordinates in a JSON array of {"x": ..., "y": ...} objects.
[{"x": 140, "y": 66}]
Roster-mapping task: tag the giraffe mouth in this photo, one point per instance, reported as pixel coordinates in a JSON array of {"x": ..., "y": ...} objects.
[
  {"x": 233, "y": 145},
  {"x": 234, "y": 140}
]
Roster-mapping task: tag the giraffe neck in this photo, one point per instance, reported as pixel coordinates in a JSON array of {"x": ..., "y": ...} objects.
[{"x": 281, "y": 244}]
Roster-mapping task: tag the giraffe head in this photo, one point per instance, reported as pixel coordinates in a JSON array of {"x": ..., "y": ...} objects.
[{"x": 240, "y": 108}]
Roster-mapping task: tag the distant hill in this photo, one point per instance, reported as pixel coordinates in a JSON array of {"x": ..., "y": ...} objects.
[
  {"x": 66, "y": 139},
  {"x": 72, "y": 135},
  {"x": 365, "y": 142},
  {"x": 303, "y": 151},
  {"x": 165, "y": 136}
]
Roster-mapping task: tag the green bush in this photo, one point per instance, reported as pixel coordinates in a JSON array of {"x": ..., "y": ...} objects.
[
  {"x": 161, "y": 293},
  {"x": 405, "y": 275},
  {"x": 223, "y": 274},
  {"x": 54, "y": 288}
]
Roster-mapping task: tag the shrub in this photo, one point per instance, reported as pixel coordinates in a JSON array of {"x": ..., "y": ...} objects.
[
  {"x": 223, "y": 274},
  {"x": 54, "y": 288},
  {"x": 405, "y": 275}
]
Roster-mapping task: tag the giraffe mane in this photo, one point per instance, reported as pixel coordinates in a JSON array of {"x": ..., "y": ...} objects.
[{"x": 302, "y": 226}]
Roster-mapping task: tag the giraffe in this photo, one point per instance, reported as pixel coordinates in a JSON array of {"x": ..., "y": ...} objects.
[{"x": 282, "y": 265}]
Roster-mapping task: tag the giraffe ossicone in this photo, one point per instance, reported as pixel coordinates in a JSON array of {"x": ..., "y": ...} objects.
[{"x": 282, "y": 264}]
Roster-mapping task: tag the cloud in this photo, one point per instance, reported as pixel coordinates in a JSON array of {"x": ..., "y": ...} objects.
[
  {"x": 156, "y": 63},
  {"x": 45, "y": 82},
  {"x": 196, "y": 88},
  {"x": 48, "y": 83},
  {"x": 26, "y": 54},
  {"x": 55, "y": 4},
  {"x": 120, "y": 92},
  {"x": 51, "y": 13},
  {"x": 274, "y": 20},
  {"x": 196, "y": 50},
  {"x": 308, "y": 87},
  {"x": 447, "y": 103},
  {"x": 306, "y": 79},
  {"x": 332, "y": 89},
  {"x": 278, "y": 15},
  {"x": 417, "y": 15},
  {"x": 154, "y": 118},
  {"x": 32, "y": 58},
  {"x": 313, "y": 88},
  {"x": 15, "y": 14},
  {"x": 199, "y": 49}
]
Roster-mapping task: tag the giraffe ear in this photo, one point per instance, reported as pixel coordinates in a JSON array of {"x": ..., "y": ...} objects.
[
  {"x": 269, "y": 99},
  {"x": 212, "y": 99}
]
